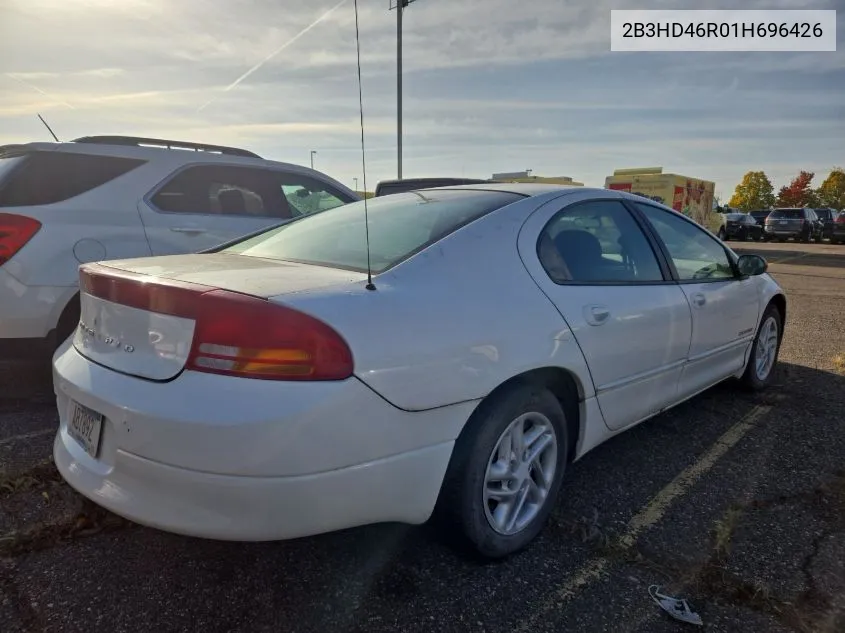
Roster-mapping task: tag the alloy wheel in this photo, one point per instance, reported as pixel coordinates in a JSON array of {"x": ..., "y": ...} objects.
[
  {"x": 520, "y": 473},
  {"x": 767, "y": 347}
]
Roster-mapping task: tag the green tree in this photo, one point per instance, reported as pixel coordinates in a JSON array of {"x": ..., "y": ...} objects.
[
  {"x": 799, "y": 192},
  {"x": 754, "y": 192},
  {"x": 831, "y": 193}
]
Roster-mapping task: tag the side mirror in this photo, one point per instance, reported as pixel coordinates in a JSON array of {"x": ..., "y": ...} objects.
[{"x": 752, "y": 265}]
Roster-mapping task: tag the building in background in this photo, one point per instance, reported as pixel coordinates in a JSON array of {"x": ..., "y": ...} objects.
[
  {"x": 691, "y": 196},
  {"x": 525, "y": 176}
]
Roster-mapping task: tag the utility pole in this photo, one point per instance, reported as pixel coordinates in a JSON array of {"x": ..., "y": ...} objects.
[
  {"x": 356, "y": 183},
  {"x": 399, "y": 6},
  {"x": 312, "y": 158}
]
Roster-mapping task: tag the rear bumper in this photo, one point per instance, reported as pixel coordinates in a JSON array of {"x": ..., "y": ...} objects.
[
  {"x": 785, "y": 233},
  {"x": 240, "y": 459}
]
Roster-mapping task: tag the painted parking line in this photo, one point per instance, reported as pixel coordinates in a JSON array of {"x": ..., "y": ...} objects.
[{"x": 648, "y": 515}]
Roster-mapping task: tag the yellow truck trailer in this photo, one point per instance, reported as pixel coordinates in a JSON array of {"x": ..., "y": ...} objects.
[{"x": 691, "y": 196}]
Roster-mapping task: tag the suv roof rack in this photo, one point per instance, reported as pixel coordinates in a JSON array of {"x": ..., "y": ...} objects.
[{"x": 138, "y": 141}]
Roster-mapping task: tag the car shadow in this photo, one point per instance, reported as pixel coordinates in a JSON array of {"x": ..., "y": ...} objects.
[{"x": 390, "y": 576}]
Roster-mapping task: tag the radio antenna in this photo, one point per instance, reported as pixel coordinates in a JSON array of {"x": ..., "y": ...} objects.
[
  {"x": 370, "y": 284},
  {"x": 49, "y": 129}
]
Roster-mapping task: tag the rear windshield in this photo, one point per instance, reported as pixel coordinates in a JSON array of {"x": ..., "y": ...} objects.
[
  {"x": 49, "y": 177},
  {"x": 7, "y": 164},
  {"x": 400, "y": 226},
  {"x": 735, "y": 216},
  {"x": 787, "y": 214}
]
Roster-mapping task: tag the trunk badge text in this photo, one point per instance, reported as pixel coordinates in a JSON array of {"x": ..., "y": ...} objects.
[{"x": 108, "y": 340}]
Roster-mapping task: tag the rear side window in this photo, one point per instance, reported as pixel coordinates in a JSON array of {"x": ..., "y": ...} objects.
[
  {"x": 399, "y": 226},
  {"x": 245, "y": 191},
  {"x": 596, "y": 242},
  {"x": 40, "y": 178}
]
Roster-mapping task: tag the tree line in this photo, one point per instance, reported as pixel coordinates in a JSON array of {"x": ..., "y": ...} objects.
[{"x": 756, "y": 192}]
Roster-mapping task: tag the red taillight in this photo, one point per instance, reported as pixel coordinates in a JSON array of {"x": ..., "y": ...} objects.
[
  {"x": 234, "y": 334},
  {"x": 15, "y": 232},
  {"x": 840, "y": 219}
]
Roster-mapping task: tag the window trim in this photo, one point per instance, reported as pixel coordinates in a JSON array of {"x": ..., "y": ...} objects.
[
  {"x": 152, "y": 193},
  {"x": 665, "y": 250},
  {"x": 662, "y": 264}
]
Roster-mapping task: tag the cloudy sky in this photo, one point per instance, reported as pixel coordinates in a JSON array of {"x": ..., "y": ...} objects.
[{"x": 490, "y": 85}]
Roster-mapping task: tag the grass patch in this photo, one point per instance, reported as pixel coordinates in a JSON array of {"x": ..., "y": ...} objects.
[{"x": 839, "y": 364}]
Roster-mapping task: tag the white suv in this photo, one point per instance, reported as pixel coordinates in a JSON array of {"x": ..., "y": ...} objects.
[{"x": 113, "y": 197}]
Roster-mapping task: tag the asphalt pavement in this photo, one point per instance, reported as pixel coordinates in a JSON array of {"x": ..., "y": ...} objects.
[{"x": 733, "y": 501}]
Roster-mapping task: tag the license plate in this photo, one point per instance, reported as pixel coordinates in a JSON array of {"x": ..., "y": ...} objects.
[
  {"x": 783, "y": 221},
  {"x": 84, "y": 426}
]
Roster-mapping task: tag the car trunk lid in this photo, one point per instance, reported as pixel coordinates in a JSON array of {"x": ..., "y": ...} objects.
[{"x": 139, "y": 316}]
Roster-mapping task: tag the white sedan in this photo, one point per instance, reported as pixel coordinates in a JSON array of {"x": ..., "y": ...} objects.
[{"x": 268, "y": 391}]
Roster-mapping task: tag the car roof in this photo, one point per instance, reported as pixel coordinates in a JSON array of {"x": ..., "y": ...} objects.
[
  {"x": 179, "y": 152},
  {"x": 174, "y": 158},
  {"x": 524, "y": 189}
]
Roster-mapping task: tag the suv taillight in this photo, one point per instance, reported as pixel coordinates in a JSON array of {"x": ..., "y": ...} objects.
[
  {"x": 234, "y": 334},
  {"x": 15, "y": 232}
]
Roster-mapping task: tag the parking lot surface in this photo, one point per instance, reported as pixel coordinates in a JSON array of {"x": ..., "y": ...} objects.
[{"x": 732, "y": 500}]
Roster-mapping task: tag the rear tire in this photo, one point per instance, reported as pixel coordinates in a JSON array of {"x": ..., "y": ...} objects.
[
  {"x": 493, "y": 499},
  {"x": 68, "y": 321},
  {"x": 763, "y": 357}
]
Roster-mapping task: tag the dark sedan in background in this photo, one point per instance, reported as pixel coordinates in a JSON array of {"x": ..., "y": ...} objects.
[{"x": 740, "y": 226}]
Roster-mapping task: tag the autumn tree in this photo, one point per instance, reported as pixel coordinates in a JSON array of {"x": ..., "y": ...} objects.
[
  {"x": 754, "y": 192},
  {"x": 799, "y": 192},
  {"x": 831, "y": 193}
]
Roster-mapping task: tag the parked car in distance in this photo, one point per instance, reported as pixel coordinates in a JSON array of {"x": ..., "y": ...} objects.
[
  {"x": 800, "y": 224},
  {"x": 760, "y": 215},
  {"x": 387, "y": 187},
  {"x": 837, "y": 231},
  {"x": 740, "y": 226},
  {"x": 298, "y": 382},
  {"x": 828, "y": 218},
  {"x": 100, "y": 198}
]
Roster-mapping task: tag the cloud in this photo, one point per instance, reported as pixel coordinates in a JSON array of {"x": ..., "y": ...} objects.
[{"x": 490, "y": 85}]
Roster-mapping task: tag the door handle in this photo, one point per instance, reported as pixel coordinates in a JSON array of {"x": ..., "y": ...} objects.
[
  {"x": 699, "y": 299},
  {"x": 596, "y": 315},
  {"x": 187, "y": 229}
]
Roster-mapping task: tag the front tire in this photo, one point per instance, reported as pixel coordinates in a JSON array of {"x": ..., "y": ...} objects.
[
  {"x": 762, "y": 360},
  {"x": 506, "y": 471}
]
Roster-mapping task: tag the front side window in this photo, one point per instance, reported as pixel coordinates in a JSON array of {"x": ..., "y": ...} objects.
[
  {"x": 596, "y": 242},
  {"x": 40, "y": 178},
  {"x": 244, "y": 191},
  {"x": 695, "y": 254},
  {"x": 303, "y": 200},
  {"x": 399, "y": 226}
]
